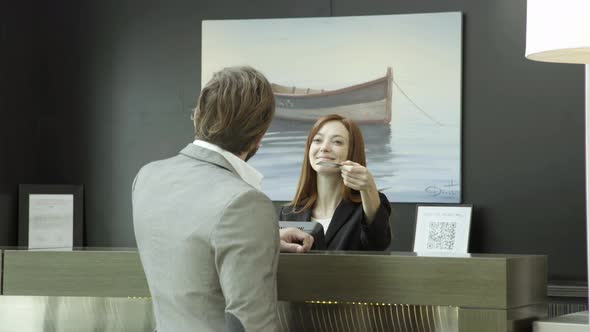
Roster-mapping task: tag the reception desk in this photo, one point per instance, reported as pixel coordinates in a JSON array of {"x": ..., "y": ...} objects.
[{"x": 319, "y": 291}]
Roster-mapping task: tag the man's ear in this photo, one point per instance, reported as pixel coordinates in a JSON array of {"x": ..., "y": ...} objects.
[{"x": 194, "y": 117}]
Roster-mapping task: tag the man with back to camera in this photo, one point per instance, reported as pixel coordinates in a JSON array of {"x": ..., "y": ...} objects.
[{"x": 208, "y": 238}]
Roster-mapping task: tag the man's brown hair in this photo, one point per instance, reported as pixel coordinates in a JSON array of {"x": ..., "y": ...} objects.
[{"x": 235, "y": 109}]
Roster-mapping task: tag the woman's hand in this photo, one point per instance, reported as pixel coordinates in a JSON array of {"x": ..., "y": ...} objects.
[{"x": 357, "y": 176}]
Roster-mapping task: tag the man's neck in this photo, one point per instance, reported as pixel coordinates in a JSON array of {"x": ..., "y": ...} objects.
[{"x": 242, "y": 155}]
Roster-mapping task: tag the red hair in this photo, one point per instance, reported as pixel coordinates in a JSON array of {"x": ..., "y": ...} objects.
[{"x": 307, "y": 191}]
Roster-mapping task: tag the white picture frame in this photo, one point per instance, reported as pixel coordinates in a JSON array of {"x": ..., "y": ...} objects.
[
  {"x": 51, "y": 216},
  {"x": 442, "y": 229}
]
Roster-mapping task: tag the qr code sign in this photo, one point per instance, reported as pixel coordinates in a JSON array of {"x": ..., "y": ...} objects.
[{"x": 441, "y": 235}]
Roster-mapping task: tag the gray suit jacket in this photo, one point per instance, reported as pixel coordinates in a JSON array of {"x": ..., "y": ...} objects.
[{"x": 208, "y": 243}]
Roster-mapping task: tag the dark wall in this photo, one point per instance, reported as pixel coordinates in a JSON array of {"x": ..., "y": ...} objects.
[
  {"x": 523, "y": 137},
  {"x": 121, "y": 78},
  {"x": 141, "y": 77},
  {"x": 22, "y": 98},
  {"x": 60, "y": 154}
]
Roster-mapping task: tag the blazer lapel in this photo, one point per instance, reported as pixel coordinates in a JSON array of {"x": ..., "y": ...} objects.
[
  {"x": 206, "y": 155},
  {"x": 340, "y": 217}
]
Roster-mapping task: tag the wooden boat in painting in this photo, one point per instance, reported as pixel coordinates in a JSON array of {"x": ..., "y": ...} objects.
[{"x": 364, "y": 103}]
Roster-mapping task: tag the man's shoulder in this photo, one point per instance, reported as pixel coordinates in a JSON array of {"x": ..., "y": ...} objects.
[
  {"x": 242, "y": 193},
  {"x": 159, "y": 164},
  {"x": 213, "y": 181},
  {"x": 181, "y": 165}
]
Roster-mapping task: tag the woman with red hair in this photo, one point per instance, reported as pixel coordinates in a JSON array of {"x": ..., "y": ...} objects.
[{"x": 337, "y": 190}]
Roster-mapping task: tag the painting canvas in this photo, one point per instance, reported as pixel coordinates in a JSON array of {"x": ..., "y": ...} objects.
[{"x": 397, "y": 76}]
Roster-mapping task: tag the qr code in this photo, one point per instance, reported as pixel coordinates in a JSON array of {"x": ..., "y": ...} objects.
[{"x": 441, "y": 235}]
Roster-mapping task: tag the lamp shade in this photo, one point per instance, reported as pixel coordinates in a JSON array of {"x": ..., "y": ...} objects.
[{"x": 558, "y": 31}]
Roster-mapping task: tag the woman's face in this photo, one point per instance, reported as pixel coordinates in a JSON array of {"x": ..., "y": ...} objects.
[{"x": 329, "y": 144}]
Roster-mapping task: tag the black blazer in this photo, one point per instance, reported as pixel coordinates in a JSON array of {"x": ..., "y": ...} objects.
[{"x": 348, "y": 229}]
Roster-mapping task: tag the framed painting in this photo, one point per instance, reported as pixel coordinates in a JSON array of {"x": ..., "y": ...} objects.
[{"x": 397, "y": 76}]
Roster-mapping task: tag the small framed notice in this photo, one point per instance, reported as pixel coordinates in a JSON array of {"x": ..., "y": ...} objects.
[
  {"x": 50, "y": 216},
  {"x": 442, "y": 229}
]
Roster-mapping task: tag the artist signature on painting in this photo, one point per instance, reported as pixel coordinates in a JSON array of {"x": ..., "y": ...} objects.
[{"x": 450, "y": 189}]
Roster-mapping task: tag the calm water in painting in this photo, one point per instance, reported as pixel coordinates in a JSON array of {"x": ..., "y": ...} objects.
[{"x": 414, "y": 162}]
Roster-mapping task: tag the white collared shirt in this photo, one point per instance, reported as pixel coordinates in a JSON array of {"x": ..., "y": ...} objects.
[{"x": 245, "y": 171}]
